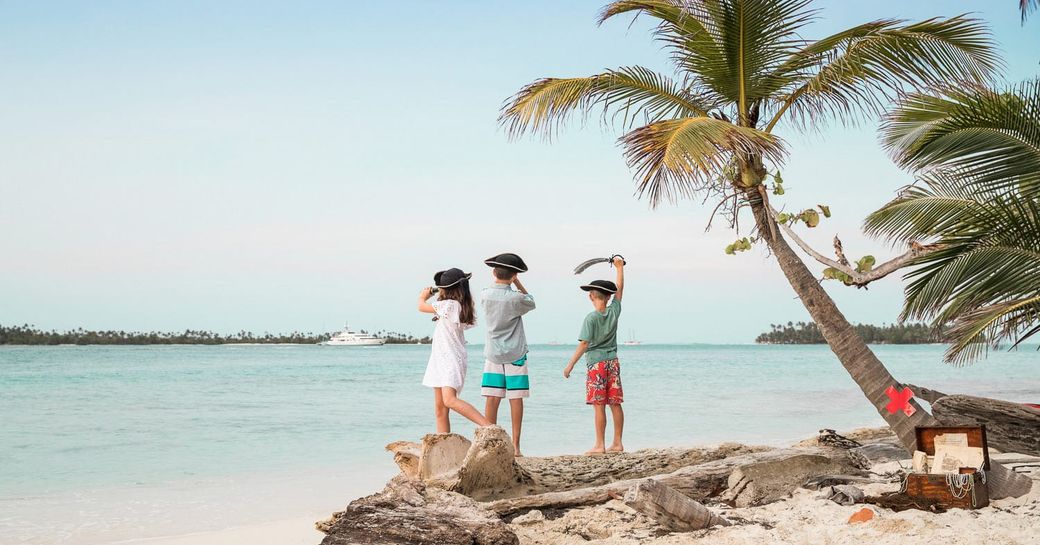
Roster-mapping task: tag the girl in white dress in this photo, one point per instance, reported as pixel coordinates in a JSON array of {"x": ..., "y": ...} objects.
[{"x": 446, "y": 371}]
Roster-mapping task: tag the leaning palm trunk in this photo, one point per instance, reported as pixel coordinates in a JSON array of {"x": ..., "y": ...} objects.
[
  {"x": 854, "y": 354},
  {"x": 742, "y": 69},
  {"x": 856, "y": 357}
]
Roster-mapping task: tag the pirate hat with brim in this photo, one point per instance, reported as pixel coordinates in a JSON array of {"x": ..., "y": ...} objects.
[
  {"x": 602, "y": 286},
  {"x": 450, "y": 278},
  {"x": 507, "y": 261}
]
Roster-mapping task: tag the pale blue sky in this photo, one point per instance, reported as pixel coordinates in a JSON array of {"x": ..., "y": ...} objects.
[{"x": 280, "y": 166}]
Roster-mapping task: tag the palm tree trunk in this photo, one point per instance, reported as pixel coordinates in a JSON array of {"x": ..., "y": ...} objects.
[{"x": 865, "y": 368}]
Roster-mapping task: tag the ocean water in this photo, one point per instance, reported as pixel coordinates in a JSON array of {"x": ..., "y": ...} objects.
[{"x": 104, "y": 444}]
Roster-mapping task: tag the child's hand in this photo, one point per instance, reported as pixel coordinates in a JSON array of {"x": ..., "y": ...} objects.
[
  {"x": 567, "y": 371},
  {"x": 425, "y": 293},
  {"x": 618, "y": 261}
]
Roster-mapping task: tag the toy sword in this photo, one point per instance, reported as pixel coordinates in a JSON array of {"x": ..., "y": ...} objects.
[{"x": 596, "y": 260}]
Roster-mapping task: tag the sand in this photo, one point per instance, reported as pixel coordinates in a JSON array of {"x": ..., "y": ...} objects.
[
  {"x": 296, "y": 531},
  {"x": 804, "y": 519}
]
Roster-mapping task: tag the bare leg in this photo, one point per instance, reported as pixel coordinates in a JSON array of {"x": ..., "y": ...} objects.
[
  {"x": 460, "y": 406},
  {"x": 440, "y": 412},
  {"x": 516, "y": 414},
  {"x": 491, "y": 408},
  {"x": 618, "y": 415},
  {"x": 601, "y": 428}
]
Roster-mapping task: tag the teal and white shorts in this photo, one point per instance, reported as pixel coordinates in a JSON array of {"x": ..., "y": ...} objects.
[{"x": 508, "y": 380}]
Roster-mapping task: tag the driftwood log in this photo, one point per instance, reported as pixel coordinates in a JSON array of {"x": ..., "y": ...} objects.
[
  {"x": 697, "y": 482},
  {"x": 1010, "y": 427},
  {"x": 671, "y": 509},
  {"x": 407, "y": 512}
]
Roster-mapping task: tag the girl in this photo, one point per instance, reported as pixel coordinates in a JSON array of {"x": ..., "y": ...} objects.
[{"x": 446, "y": 371}]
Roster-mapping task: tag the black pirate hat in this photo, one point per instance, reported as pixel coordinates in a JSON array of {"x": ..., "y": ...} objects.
[
  {"x": 507, "y": 261},
  {"x": 602, "y": 286},
  {"x": 450, "y": 278}
]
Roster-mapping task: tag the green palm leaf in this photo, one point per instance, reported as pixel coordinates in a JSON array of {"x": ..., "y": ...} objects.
[
  {"x": 992, "y": 136},
  {"x": 977, "y": 152},
  {"x": 858, "y": 71},
  {"x": 737, "y": 60},
  {"x": 732, "y": 47},
  {"x": 631, "y": 92},
  {"x": 679, "y": 157},
  {"x": 979, "y": 330}
]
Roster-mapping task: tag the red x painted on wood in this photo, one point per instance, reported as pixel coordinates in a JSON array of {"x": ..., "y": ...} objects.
[{"x": 900, "y": 401}]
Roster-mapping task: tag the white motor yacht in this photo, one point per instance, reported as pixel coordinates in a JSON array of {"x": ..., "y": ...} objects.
[{"x": 353, "y": 338}]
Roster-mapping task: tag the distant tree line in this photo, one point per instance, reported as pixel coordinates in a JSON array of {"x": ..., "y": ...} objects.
[
  {"x": 30, "y": 335},
  {"x": 808, "y": 333},
  {"x": 393, "y": 337}
]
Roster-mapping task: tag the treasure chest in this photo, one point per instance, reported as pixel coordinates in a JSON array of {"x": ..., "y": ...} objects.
[{"x": 950, "y": 467}]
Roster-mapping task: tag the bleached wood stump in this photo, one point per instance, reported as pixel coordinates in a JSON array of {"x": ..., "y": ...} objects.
[{"x": 671, "y": 509}]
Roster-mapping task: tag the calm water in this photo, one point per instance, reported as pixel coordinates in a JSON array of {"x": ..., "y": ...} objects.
[{"x": 99, "y": 444}]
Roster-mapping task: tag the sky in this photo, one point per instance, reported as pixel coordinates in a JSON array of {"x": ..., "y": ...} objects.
[{"x": 279, "y": 166}]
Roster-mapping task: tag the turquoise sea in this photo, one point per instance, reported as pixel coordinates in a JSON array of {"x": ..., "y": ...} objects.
[{"x": 102, "y": 444}]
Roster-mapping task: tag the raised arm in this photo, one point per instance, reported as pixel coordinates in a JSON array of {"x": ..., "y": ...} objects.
[
  {"x": 583, "y": 346},
  {"x": 424, "y": 297},
  {"x": 524, "y": 303},
  {"x": 619, "y": 264}
]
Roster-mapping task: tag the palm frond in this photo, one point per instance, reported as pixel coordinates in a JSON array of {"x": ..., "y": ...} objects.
[
  {"x": 630, "y": 92},
  {"x": 858, "y": 71},
  {"x": 1027, "y": 7},
  {"x": 919, "y": 213},
  {"x": 729, "y": 47},
  {"x": 976, "y": 332},
  {"x": 680, "y": 157},
  {"x": 992, "y": 136},
  {"x": 981, "y": 279}
]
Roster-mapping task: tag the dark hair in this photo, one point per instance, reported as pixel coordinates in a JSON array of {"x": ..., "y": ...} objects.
[
  {"x": 460, "y": 292},
  {"x": 503, "y": 273}
]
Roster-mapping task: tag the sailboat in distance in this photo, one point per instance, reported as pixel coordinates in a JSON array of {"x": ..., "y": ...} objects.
[{"x": 632, "y": 339}]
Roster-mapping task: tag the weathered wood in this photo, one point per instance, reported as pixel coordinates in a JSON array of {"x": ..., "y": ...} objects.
[
  {"x": 483, "y": 468},
  {"x": 927, "y": 394},
  {"x": 697, "y": 482},
  {"x": 898, "y": 501},
  {"x": 1010, "y": 427},
  {"x": 824, "y": 481},
  {"x": 669, "y": 508},
  {"x": 570, "y": 472},
  {"x": 768, "y": 481},
  {"x": 407, "y": 512}
]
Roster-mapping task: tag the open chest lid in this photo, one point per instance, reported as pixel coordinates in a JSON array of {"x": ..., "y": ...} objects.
[{"x": 976, "y": 435}]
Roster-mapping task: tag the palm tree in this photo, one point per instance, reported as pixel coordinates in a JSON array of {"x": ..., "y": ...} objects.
[
  {"x": 742, "y": 68},
  {"x": 977, "y": 152}
]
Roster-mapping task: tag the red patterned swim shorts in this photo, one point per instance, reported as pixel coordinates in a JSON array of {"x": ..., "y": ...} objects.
[{"x": 603, "y": 383}]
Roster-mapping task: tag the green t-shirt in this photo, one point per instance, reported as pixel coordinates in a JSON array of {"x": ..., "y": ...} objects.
[{"x": 600, "y": 330}]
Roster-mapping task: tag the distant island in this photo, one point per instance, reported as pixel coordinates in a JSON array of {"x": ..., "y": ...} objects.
[
  {"x": 30, "y": 335},
  {"x": 808, "y": 333}
]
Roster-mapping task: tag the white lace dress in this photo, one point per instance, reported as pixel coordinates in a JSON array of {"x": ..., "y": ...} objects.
[{"x": 447, "y": 365}]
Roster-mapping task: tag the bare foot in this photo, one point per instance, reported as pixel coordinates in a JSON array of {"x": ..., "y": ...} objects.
[
  {"x": 595, "y": 451},
  {"x": 516, "y": 452},
  {"x": 616, "y": 448}
]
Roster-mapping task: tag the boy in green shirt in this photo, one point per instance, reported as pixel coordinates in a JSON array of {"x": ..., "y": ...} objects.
[{"x": 598, "y": 343}]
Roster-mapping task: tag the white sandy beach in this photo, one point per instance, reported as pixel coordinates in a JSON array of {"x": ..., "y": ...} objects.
[
  {"x": 294, "y": 531},
  {"x": 805, "y": 518},
  {"x": 802, "y": 520}
]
